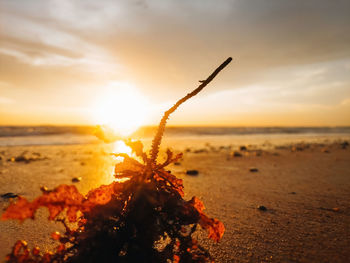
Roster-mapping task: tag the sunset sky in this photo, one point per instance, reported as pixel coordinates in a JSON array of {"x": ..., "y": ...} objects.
[{"x": 61, "y": 59}]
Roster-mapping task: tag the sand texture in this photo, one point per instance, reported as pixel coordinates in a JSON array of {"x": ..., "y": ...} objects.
[{"x": 304, "y": 188}]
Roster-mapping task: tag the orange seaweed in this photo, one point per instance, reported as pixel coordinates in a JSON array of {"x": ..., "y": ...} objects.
[{"x": 123, "y": 221}]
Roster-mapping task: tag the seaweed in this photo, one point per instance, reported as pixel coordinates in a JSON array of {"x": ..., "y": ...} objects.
[{"x": 142, "y": 219}]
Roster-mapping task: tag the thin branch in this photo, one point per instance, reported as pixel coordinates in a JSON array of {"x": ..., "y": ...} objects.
[{"x": 158, "y": 137}]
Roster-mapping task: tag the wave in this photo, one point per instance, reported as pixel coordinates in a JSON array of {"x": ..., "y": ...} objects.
[{"x": 149, "y": 131}]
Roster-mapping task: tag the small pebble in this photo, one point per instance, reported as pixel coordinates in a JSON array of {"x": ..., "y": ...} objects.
[
  {"x": 344, "y": 145},
  {"x": 293, "y": 193},
  {"x": 201, "y": 151},
  {"x": 192, "y": 172},
  {"x": 177, "y": 163},
  {"x": 25, "y": 159},
  {"x": 9, "y": 195},
  {"x": 76, "y": 179},
  {"x": 236, "y": 154},
  {"x": 253, "y": 170},
  {"x": 262, "y": 208},
  {"x": 242, "y": 148},
  {"x": 297, "y": 148},
  {"x": 19, "y": 158},
  {"x": 44, "y": 189}
]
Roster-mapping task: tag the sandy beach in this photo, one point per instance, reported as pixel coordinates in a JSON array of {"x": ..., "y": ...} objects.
[
  {"x": 255, "y": 94},
  {"x": 279, "y": 203}
]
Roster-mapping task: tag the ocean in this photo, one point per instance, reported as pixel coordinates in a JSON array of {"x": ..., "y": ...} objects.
[{"x": 68, "y": 135}]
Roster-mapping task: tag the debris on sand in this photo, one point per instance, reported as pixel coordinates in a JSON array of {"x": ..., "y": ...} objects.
[
  {"x": 253, "y": 170},
  {"x": 19, "y": 158},
  {"x": 27, "y": 158},
  {"x": 44, "y": 189},
  {"x": 297, "y": 148},
  {"x": 192, "y": 172},
  {"x": 9, "y": 195},
  {"x": 200, "y": 151},
  {"x": 344, "y": 145},
  {"x": 76, "y": 179},
  {"x": 236, "y": 154},
  {"x": 177, "y": 163},
  {"x": 334, "y": 209},
  {"x": 242, "y": 148},
  {"x": 188, "y": 150},
  {"x": 262, "y": 208}
]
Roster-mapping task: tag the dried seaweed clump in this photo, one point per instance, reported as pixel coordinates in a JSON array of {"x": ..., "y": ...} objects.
[{"x": 143, "y": 219}]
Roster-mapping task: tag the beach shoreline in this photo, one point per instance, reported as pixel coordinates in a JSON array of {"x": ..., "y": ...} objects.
[{"x": 304, "y": 187}]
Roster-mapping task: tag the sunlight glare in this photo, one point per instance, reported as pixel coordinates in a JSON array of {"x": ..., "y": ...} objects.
[
  {"x": 121, "y": 147},
  {"x": 122, "y": 108}
]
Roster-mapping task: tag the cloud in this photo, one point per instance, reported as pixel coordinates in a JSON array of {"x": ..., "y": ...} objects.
[
  {"x": 5, "y": 100},
  {"x": 285, "y": 52},
  {"x": 190, "y": 36},
  {"x": 46, "y": 59},
  {"x": 345, "y": 102},
  {"x": 176, "y": 43},
  {"x": 42, "y": 42}
]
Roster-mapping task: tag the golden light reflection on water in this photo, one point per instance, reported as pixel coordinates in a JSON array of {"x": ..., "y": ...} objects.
[{"x": 121, "y": 147}]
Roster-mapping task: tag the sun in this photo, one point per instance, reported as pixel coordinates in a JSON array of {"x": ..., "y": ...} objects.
[{"x": 121, "y": 107}]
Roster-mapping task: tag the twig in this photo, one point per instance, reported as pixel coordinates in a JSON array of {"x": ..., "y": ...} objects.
[{"x": 158, "y": 137}]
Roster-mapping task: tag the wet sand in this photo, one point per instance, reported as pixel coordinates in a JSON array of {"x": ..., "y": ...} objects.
[{"x": 305, "y": 189}]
